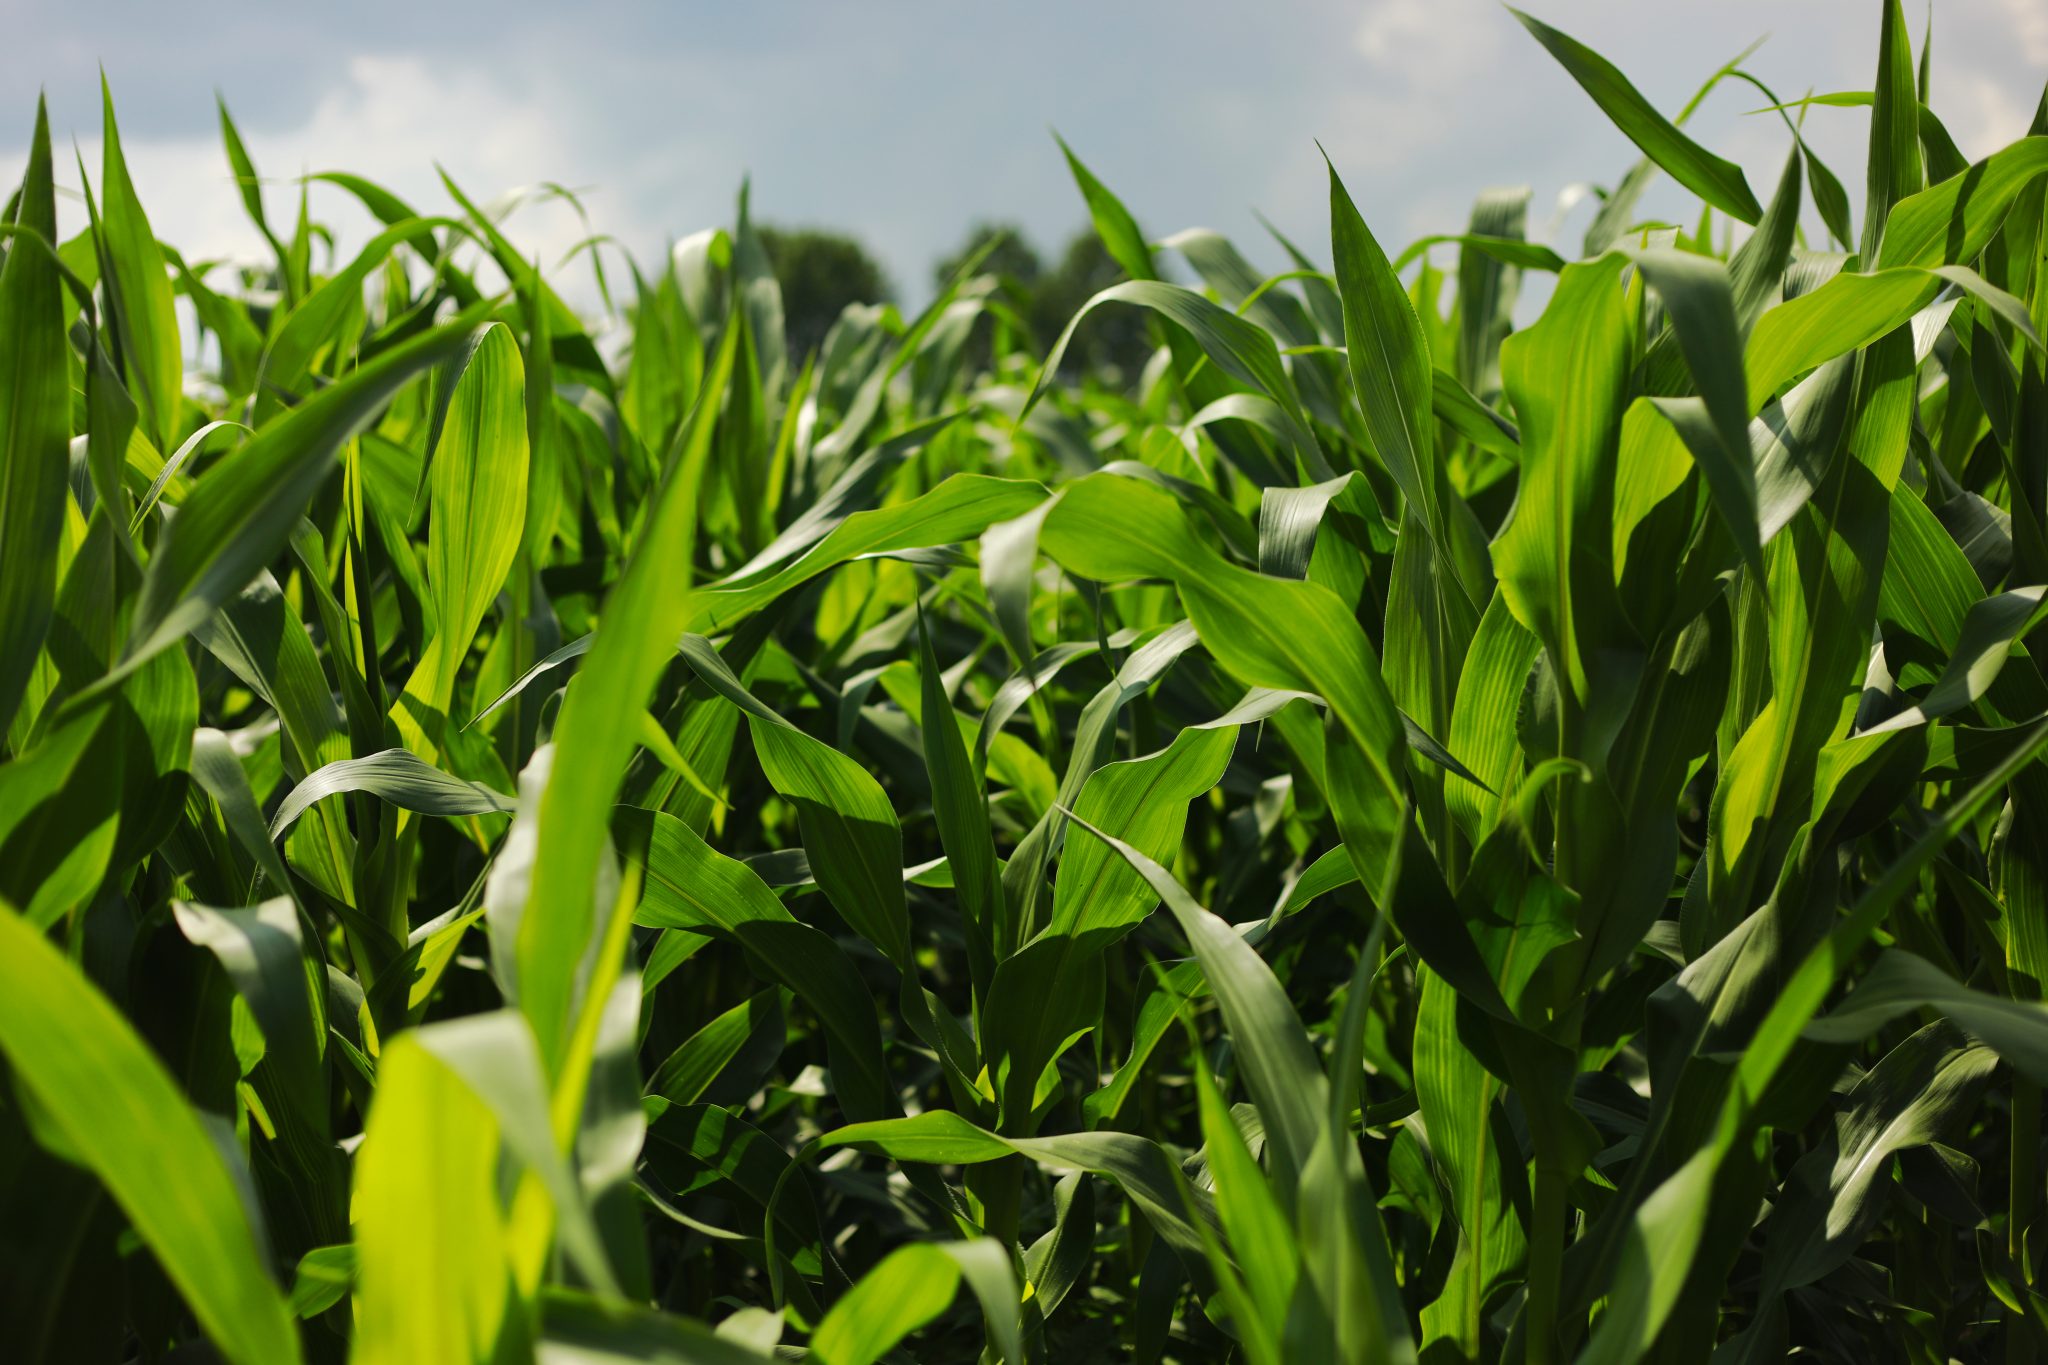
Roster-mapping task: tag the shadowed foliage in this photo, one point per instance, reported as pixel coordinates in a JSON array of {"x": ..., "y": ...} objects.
[{"x": 1157, "y": 809}]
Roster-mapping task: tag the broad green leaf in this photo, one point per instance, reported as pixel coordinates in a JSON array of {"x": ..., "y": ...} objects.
[
  {"x": 695, "y": 1064},
  {"x": 1988, "y": 635},
  {"x": 1106, "y": 531},
  {"x": 139, "y": 291},
  {"x": 1894, "y": 168},
  {"x": 960, "y": 807},
  {"x": 396, "y": 776},
  {"x": 248, "y": 183},
  {"x": 1917, "y": 1092},
  {"x": 1280, "y": 1069},
  {"x": 35, "y": 426},
  {"x": 494, "y": 1055},
  {"x": 582, "y": 1329},
  {"x": 912, "y": 1285},
  {"x": 1050, "y": 992},
  {"x": 1113, "y": 222},
  {"x": 1507, "y": 251},
  {"x": 2017, "y": 1030},
  {"x": 1663, "y": 1231},
  {"x": 121, "y": 1114},
  {"x": 1718, "y": 182},
  {"x": 242, "y": 514},
  {"x": 435, "y": 1279},
  {"x": 1390, "y": 366},
  {"x": 595, "y": 737},
  {"x": 1951, "y": 222},
  {"x": 1139, "y": 1166},
  {"x": 1700, "y": 301},
  {"x": 690, "y": 886},
  {"x": 1567, "y": 377},
  {"x": 850, "y": 830},
  {"x": 1241, "y": 349},
  {"x": 1260, "y": 1236},
  {"x": 57, "y": 823},
  {"x": 476, "y": 502},
  {"x": 311, "y": 327},
  {"x": 263, "y": 953}
]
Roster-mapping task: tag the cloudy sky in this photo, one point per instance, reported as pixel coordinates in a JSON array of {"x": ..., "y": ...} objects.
[{"x": 905, "y": 121}]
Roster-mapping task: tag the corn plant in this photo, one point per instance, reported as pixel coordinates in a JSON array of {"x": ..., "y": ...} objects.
[{"x": 1389, "y": 836}]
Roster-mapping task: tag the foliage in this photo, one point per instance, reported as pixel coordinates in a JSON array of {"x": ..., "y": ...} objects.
[
  {"x": 1114, "y": 348},
  {"x": 1373, "y": 835},
  {"x": 820, "y": 273}
]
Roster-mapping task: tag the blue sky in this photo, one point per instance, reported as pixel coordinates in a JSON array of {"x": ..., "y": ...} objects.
[{"x": 905, "y": 122}]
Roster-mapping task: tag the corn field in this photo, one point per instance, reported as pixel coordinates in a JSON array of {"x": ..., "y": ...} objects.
[{"x": 1390, "y": 835}]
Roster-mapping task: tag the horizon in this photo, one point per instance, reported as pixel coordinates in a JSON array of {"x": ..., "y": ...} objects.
[{"x": 1204, "y": 134}]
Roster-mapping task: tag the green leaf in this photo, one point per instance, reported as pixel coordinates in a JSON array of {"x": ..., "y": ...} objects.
[
  {"x": 912, "y": 1285},
  {"x": 242, "y": 514},
  {"x": 58, "y": 825},
  {"x": 850, "y": 830},
  {"x": 1951, "y": 223},
  {"x": 1138, "y": 1165},
  {"x": 264, "y": 956},
  {"x": 1568, "y": 379},
  {"x": 1111, "y": 528},
  {"x": 247, "y": 182},
  {"x": 435, "y": 1279},
  {"x": 1718, "y": 182},
  {"x": 1700, "y": 301},
  {"x": 1280, "y": 1069},
  {"x": 476, "y": 512},
  {"x": 140, "y": 299},
  {"x": 1899, "y": 983},
  {"x": 1917, "y": 1092},
  {"x": 1260, "y": 1237},
  {"x": 35, "y": 427},
  {"x": 1894, "y": 169},
  {"x": 1989, "y": 633},
  {"x": 1113, "y": 222},
  {"x": 396, "y": 776},
  {"x": 1509, "y": 251},
  {"x": 1388, "y": 357},
  {"x": 1049, "y": 993},
  {"x": 595, "y": 738},
  {"x": 698, "y": 1060},
  {"x": 120, "y": 1114},
  {"x": 690, "y": 886},
  {"x": 311, "y": 327},
  {"x": 1241, "y": 349},
  {"x": 580, "y": 1329},
  {"x": 960, "y": 807},
  {"x": 326, "y": 1276}
]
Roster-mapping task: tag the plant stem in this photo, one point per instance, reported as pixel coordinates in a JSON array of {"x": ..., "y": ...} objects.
[
  {"x": 998, "y": 1186},
  {"x": 2022, "y": 1195},
  {"x": 1546, "y": 1265}
]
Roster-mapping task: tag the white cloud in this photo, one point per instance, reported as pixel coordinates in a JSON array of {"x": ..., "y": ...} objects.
[
  {"x": 1417, "y": 55},
  {"x": 1428, "y": 40},
  {"x": 1983, "y": 117},
  {"x": 2029, "y": 20},
  {"x": 903, "y": 124},
  {"x": 390, "y": 117}
]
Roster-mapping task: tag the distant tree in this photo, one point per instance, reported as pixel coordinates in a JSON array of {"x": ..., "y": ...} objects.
[
  {"x": 1048, "y": 298},
  {"x": 820, "y": 272},
  {"x": 1013, "y": 259},
  {"x": 1114, "y": 336}
]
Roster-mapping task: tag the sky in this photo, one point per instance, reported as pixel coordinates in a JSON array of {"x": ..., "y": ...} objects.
[{"x": 905, "y": 121}]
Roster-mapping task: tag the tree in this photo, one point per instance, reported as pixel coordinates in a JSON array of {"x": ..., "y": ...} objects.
[
  {"x": 821, "y": 273},
  {"x": 1113, "y": 336},
  {"x": 1048, "y": 298},
  {"x": 1012, "y": 259}
]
